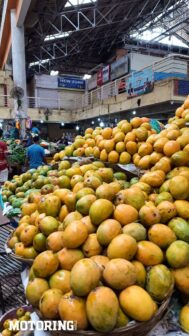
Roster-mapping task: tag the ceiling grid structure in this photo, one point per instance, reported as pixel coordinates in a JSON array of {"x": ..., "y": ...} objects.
[{"x": 75, "y": 36}]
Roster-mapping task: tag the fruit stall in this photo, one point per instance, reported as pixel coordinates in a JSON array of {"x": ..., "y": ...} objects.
[{"x": 102, "y": 232}]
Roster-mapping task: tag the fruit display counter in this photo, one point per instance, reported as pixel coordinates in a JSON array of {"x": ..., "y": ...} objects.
[{"x": 108, "y": 249}]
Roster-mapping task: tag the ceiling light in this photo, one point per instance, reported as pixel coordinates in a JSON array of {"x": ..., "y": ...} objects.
[
  {"x": 101, "y": 124},
  {"x": 62, "y": 124},
  {"x": 77, "y": 128},
  {"x": 98, "y": 119},
  {"x": 54, "y": 73},
  {"x": 134, "y": 112},
  {"x": 86, "y": 76},
  {"x": 39, "y": 62},
  {"x": 57, "y": 36},
  {"x": 41, "y": 121},
  {"x": 92, "y": 122}
]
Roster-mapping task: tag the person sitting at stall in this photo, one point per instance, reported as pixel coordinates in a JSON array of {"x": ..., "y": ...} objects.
[
  {"x": 3, "y": 160},
  {"x": 35, "y": 155}
]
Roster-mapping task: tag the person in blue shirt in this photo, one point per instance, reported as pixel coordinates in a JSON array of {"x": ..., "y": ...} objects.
[
  {"x": 29, "y": 139},
  {"x": 35, "y": 155},
  {"x": 35, "y": 130}
]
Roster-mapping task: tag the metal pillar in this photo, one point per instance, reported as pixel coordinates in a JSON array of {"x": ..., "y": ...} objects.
[{"x": 19, "y": 66}]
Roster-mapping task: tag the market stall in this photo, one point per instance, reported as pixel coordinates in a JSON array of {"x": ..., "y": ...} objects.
[{"x": 107, "y": 247}]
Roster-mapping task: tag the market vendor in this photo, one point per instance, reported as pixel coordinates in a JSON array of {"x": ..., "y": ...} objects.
[
  {"x": 14, "y": 132},
  {"x": 35, "y": 155},
  {"x": 3, "y": 160}
]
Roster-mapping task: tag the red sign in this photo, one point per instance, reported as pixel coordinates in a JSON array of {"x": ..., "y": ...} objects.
[{"x": 100, "y": 78}]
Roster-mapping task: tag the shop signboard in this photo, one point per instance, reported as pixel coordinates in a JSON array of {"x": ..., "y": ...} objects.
[
  {"x": 106, "y": 74},
  {"x": 140, "y": 82},
  {"x": 120, "y": 67},
  {"x": 181, "y": 87},
  {"x": 99, "y": 78},
  {"x": 71, "y": 83}
]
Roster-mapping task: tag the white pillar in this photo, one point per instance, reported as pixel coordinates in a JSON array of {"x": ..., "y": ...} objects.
[{"x": 19, "y": 63}]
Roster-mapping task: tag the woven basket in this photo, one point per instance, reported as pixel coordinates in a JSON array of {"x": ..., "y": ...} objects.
[
  {"x": 11, "y": 254},
  {"x": 135, "y": 329},
  {"x": 11, "y": 314}
]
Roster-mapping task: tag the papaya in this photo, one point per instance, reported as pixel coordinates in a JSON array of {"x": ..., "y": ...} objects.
[
  {"x": 160, "y": 281},
  {"x": 102, "y": 309},
  {"x": 119, "y": 273}
]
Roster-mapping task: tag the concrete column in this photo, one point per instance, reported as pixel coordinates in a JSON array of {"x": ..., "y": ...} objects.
[{"x": 19, "y": 65}]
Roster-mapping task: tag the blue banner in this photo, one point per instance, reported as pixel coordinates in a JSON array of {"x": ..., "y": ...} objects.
[
  {"x": 140, "y": 82},
  {"x": 73, "y": 83},
  {"x": 181, "y": 87}
]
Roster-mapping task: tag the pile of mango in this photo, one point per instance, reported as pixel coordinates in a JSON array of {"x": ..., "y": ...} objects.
[
  {"x": 107, "y": 251},
  {"x": 20, "y": 315},
  {"x": 137, "y": 142},
  {"x": 114, "y": 145}
]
